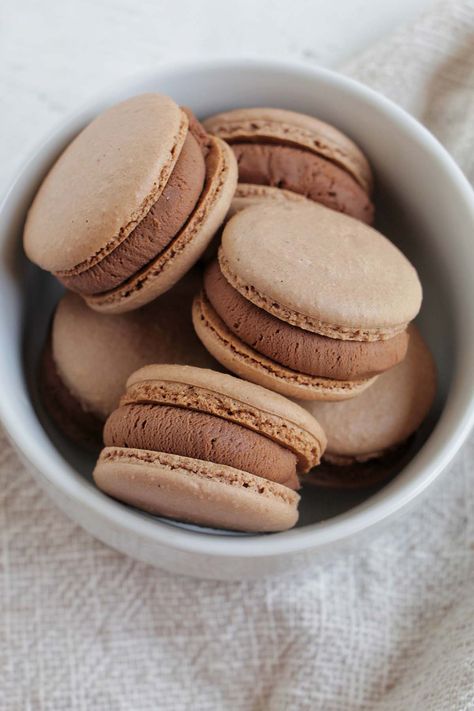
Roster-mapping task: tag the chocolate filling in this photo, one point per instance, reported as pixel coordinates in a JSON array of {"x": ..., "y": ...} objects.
[
  {"x": 67, "y": 413},
  {"x": 305, "y": 173},
  {"x": 198, "y": 435},
  {"x": 302, "y": 351},
  {"x": 165, "y": 219}
]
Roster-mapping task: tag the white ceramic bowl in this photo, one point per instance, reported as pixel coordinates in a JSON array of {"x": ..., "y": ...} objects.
[{"x": 425, "y": 205}]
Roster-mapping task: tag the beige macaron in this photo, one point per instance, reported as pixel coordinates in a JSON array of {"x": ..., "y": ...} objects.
[
  {"x": 89, "y": 356},
  {"x": 306, "y": 301},
  {"x": 207, "y": 448},
  {"x": 366, "y": 434},
  {"x": 131, "y": 204},
  {"x": 298, "y": 153}
]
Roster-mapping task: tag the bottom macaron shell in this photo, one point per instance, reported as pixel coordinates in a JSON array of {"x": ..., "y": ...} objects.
[
  {"x": 239, "y": 358},
  {"x": 195, "y": 491},
  {"x": 171, "y": 264}
]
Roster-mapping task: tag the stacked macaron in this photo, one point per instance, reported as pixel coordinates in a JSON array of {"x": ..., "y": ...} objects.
[
  {"x": 306, "y": 301},
  {"x": 303, "y": 300},
  {"x": 209, "y": 448}
]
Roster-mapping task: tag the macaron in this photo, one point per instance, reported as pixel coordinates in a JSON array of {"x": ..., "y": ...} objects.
[
  {"x": 131, "y": 204},
  {"x": 89, "y": 356},
  {"x": 298, "y": 153},
  {"x": 366, "y": 435},
  {"x": 207, "y": 448},
  {"x": 306, "y": 301}
]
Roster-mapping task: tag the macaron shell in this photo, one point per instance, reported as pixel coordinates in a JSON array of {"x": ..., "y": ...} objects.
[
  {"x": 242, "y": 360},
  {"x": 293, "y": 128},
  {"x": 320, "y": 270},
  {"x": 236, "y": 400},
  {"x": 104, "y": 183},
  {"x": 171, "y": 265},
  {"x": 247, "y": 195},
  {"x": 387, "y": 413},
  {"x": 195, "y": 491},
  {"x": 95, "y": 353}
]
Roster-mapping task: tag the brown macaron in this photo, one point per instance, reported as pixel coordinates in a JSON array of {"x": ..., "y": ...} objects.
[
  {"x": 88, "y": 356},
  {"x": 207, "y": 448},
  {"x": 306, "y": 301},
  {"x": 297, "y": 153},
  {"x": 366, "y": 435},
  {"x": 131, "y": 204}
]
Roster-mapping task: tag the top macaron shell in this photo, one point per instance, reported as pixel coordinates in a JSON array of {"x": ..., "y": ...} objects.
[{"x": 320, "y": 270}]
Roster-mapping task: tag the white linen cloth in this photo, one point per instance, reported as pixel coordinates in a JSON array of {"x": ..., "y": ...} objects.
[{"x": 390, "y": 628}]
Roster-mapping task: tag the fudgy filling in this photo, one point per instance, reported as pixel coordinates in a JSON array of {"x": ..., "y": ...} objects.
[
  {"x": 67, "y": 413},
  {"x": 156, "y": 231},
  {"x": 303, "y": 172},
  {"x": 300, "y": 350},
  {"x": 176, "y": 430}
]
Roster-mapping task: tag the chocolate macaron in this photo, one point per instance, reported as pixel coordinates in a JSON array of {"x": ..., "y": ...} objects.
[
  {"x": 204, "y": 447},
  {"x": 306, "y": 301},
  {"x": 89, "y": 356},
  {"x": 131, "y": 204},
  {"x": 298, "y": 153},
  {"x": 366, "y": 435}
]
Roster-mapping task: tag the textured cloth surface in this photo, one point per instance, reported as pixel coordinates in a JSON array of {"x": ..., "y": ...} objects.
[{"x": 390, "y": 628}]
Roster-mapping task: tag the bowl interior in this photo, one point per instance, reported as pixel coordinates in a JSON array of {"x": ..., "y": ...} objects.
[{"x": 423, "y": 205}]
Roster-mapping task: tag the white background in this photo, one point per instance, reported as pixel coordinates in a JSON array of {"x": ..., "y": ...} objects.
[{"x": 54, "y": 54}]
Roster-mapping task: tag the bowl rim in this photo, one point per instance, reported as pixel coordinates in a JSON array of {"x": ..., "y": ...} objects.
[{"x": 375, "y": 510}]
